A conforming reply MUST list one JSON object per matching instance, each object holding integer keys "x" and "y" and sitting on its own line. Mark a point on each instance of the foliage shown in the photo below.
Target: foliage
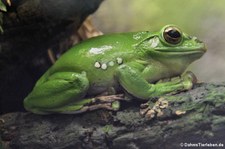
{"x": 2, "y": 8}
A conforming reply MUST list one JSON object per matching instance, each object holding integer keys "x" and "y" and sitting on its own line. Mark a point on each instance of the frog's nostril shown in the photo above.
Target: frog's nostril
{"x": 196, "y": 40}
{"x": 189, "y": 37}
{"x": 199, "y": 41}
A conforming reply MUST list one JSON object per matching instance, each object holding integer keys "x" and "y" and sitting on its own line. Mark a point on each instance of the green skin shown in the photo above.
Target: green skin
{"x": 130, "y": 62}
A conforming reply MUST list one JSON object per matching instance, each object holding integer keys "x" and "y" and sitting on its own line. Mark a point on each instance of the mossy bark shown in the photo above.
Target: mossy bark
{"x": 195, "y": 116}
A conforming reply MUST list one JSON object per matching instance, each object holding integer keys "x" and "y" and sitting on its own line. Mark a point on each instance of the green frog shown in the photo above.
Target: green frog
{"x": 131, "y": 63}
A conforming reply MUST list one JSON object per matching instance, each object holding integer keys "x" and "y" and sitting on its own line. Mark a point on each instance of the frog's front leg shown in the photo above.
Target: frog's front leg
{"x": 133, "y": 82}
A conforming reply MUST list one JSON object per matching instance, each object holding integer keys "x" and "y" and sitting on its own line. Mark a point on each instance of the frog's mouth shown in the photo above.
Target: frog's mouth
{"x": 183, "y": 50}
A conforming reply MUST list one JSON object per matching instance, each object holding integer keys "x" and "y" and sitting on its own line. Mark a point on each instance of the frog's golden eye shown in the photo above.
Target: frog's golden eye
{"x": 172, "y": 35}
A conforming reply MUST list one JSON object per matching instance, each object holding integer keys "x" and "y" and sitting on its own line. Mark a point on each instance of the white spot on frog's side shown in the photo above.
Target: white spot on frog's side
{"x": 97, "y": 65}
{"x": 119, "y": 60}
{"x": 100, "y": 50}
{"x": 154, "y": 42}
{"x": 104, "y": 66}
{"x": 111, "y": 63}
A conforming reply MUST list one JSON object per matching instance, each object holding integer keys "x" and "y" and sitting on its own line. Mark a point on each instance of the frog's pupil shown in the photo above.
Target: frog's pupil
{"x": 174, "y": 33}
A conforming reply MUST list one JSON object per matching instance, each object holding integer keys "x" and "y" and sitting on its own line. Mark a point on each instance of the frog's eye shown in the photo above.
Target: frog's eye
{"x": 172, "y": 35}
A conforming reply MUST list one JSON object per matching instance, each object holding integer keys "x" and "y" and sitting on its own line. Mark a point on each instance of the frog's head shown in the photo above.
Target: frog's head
{"x": 173, "y": 47}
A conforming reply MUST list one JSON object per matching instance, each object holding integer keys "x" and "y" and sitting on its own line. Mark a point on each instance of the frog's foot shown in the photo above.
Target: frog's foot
{"x": 188, "y": 76}
{"x": 108, "y": 98}
{"x": 111, "y": 102}
{"x": 189, "y": 79}
{"x": 113, "y": 106}
{"x": 151, "y": 110}
{"x": 177, "y": 84}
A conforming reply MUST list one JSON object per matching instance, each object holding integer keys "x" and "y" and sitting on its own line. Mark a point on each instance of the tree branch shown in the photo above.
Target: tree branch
{"x": 196, "y": 116}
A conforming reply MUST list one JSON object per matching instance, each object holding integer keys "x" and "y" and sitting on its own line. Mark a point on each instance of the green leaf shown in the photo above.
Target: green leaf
{"x": 1, "y": 29}
{"x": 2, "y": 6}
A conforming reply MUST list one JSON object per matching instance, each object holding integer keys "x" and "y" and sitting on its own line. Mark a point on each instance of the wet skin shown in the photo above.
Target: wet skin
{"x": 124, "y": 62}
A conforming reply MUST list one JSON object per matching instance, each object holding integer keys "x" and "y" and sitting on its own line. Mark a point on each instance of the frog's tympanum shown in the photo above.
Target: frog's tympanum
{"x": 131, "y": 63}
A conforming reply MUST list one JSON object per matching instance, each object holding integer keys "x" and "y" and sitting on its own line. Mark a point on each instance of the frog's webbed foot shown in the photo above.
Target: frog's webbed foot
{"x": 110, "y": 102}
{"x": 108, "y": 98}
{"x": 177, "y": 84}
{"x": 114, "y": 106}
{"x": 189, "y": 79}
{"x": 151, "y": 110}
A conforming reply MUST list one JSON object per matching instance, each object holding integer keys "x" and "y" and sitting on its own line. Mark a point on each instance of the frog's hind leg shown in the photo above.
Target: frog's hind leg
{"x": 64, "y": 92}
{"x": 57, "y": 92}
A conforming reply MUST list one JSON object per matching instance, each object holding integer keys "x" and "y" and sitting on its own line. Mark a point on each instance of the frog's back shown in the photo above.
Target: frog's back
{"x": 102, "y": 49}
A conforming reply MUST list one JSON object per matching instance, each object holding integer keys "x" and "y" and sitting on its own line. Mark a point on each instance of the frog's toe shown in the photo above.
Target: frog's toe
{"x": 187, "y": 85}
{"x": 114, "y": 106}
{"x": 191, "y": 76}
{"x": 108, "y": 98}
{"x": 189, "y": 79}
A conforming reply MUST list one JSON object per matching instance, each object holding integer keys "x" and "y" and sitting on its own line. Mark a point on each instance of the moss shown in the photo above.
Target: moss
{"x": 107, "y": 128}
